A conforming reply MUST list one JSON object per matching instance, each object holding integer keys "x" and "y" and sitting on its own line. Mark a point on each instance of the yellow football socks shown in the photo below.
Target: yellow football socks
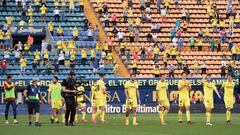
{"x": 63, "y": 117}
{"x": 83, "y": 115}
{"x": 188, "y": 116}
{"x": 180, "y": 115}
{"x": 134, "y": 119}
{"x": 228, "y": 115}
{"x": 208, "y": 116}
{"x": 161, "y": 115}
{"x": 126, "y": 120}
{"x": 103, "y": 116}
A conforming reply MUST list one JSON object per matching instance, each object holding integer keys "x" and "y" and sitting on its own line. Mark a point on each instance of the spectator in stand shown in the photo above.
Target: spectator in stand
{"x": 61, "y": 58}
{"x": 176, "y": 3}
{"x": 161, "y": 47}
{"x": 142, "y": 5}
{"x": 57, "y": 14}
{"x": 206, "y": 34}
{"x": 81, "y": 6}
{"x": 237, "y": 20}
{"x": 115, "y": 31}
{"x": 43, "y": 13}
{"x": 234, "y": 52}
{"x": 172, "y": 32}
{"x": 200, "y": 44}
{"x": 156, "y": 53}
{"x": 75, "y": 33}
{"x": 84, "y": 56}
{"x": 90, "y": 33}
{"x": 71, "y": 6}
{"x": 212, "y": 44}
{"x": 230, "y": 70}
{"x": 128, "y": 55}
{"x": 135, "y": 57}
{"x": 44, "y": 46}
{"x": 192, "y": 43}
{"x": 125, "y": 17}
{"x": 171, "y": 68}
{"x": 134, "y": 67}
{"x": 149, "y": 37}
{"x": 120, "y": 35}
{"x": 180, "y": 44}
{"x": 223, "y": 71}
{"x": 105, "y": 7}
{"x": 179, "y": 33}
{"x": 6, "y": 55}
{"x": 214, "y": 22}
{"x": 178, "y": 23}
{"x": 149, "y": 52}
{"x": 60, "y": 31}
{"x": 174, "y": 41}
{"x": 23, "y": 64}
{"x": 204, "y": 67}
{"x": 17, "y": 55}
{"x": 34, "y": 66}
{"x": 195, "y": 66}
{"x": 106, "y": 20}
{"x": 179, "y": 61}
{"x": 157, "y": 71}
{"x": 184, "y": 14}
{"x": 164, "y": 15}
{"x": 4, "y": 5}
{"x": 223, "y": 36}
{"x": 48, "y": 68}
{"x": 4, "y": 65}
{"x": 143, "y": 53}
{"x": 174, "y": 52}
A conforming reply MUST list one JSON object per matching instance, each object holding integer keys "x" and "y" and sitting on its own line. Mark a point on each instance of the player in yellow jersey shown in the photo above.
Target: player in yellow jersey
{"x": 132, "y": 99}
{"x": 55, "y": 98}
{"x": 93, "y": 99}
{"x": 100, "y": 100}
{"x": 162, "y": 98}
{"x": 228, "y": 88}
{"x": 208, "y": 88}
{"x": 184, "y": 87}
{"x": 43, "y": 13}
{"x": 81, "y": 102}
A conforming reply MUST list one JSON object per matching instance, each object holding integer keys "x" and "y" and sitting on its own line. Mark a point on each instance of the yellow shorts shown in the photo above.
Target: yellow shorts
{"x": 101, "y": 102}
{"x": 208, "y": 103}
{"x": 81, "y": 104}
{"x": 93, "y": 103}
{"x": 132, "y": 103}
{"x": 56, "y": 104}
{"x": 229, "y": 102}
{"x": 183, "y": 102}
{"x": 163, "y": 102}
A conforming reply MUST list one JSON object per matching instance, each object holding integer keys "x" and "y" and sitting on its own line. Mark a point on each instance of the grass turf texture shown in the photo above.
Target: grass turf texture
{"x": 148, "y": 124}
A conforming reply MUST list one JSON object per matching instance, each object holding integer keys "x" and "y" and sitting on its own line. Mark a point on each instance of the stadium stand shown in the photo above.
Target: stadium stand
{"x": 121, "y": 18}
{"x": 74, "y": 47}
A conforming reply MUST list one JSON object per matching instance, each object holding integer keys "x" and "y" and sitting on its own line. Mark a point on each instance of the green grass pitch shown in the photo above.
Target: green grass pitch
{"x": 148, "y": 124}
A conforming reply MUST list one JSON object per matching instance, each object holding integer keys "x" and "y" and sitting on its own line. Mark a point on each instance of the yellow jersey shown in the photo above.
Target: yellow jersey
{"x": 162, "y": 88}
{"x": 156, "y": 50}
{"x": 81, "y": 91}
{"x": 228, "y": 89}
{"x": 100, "y": 88}
{"x": 184, "y": 92}
{"x": 208, "y": 88}
{"x": 23, "y": 62}
{"x": 1, "y": 35}
{"x": 43, "y": 10}
{"x": 8, "y": 35}
{"x": 51, "y": 26}
{"x": 131, "y": 87}
{"x": 93, "y": 92}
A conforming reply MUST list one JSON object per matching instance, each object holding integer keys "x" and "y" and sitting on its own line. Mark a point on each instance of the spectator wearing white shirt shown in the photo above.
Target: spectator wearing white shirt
{"x": 44, "y": 46}
{"x": 6, "y": 55}
{"x": 120, "y": 35}
{"x": 17, "y": 55}
{"x": 164, "y": 15}
{"x": 57, "y": 14}
{"x": 204, "y": 67}
{"x": 61, "y": 58}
